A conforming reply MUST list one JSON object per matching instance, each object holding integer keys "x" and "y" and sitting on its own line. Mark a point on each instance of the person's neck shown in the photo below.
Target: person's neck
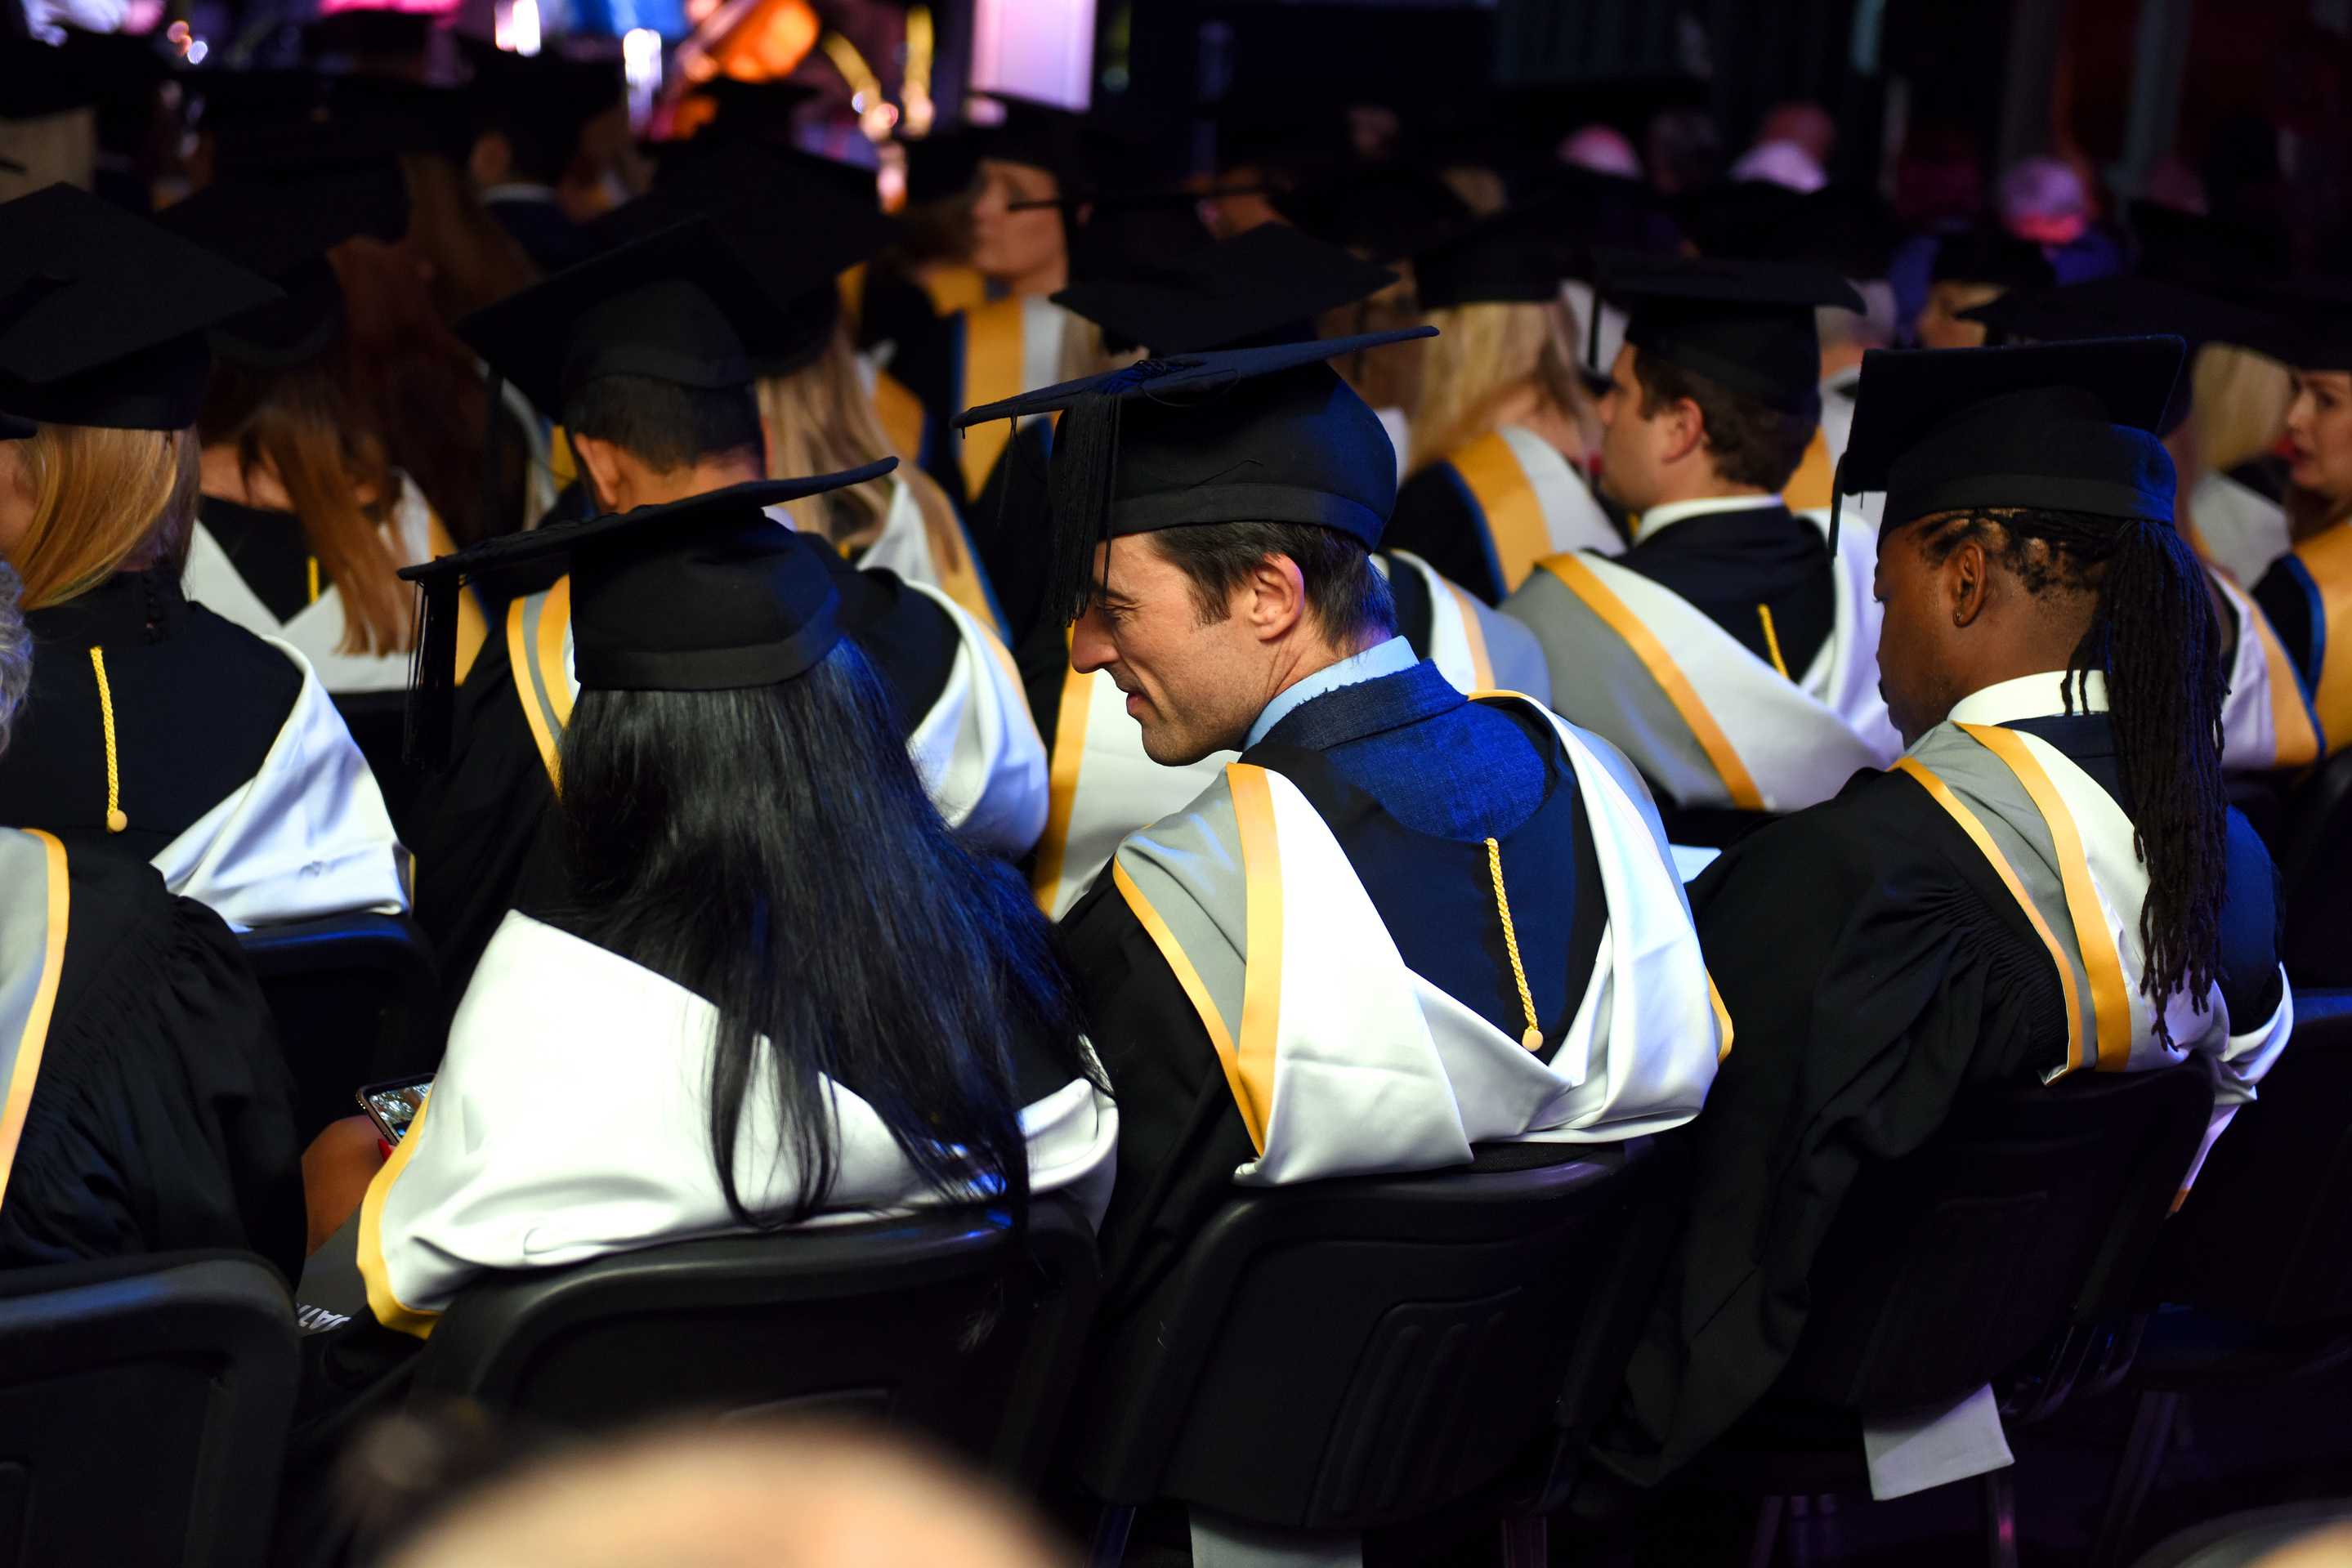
{"x": 1526, "y": 406}
{"x": 1837, "y": 361}
{"x": 1311, "y": 655}
{"x": 1050, "y": 279}
{"x": 644, "y": 487}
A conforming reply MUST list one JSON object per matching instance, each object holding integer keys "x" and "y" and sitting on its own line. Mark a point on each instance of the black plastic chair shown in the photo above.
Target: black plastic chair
{"x": 2024, "y": 1223}
{"x": 943, "y": 1321}
{"x": 2315, "y": 863}
{"x": 1347, "y": 1355}
{"x": 143, "y": 1410}
{"x": 2258, "y": 1263}
{"x": 356, "y": 1001}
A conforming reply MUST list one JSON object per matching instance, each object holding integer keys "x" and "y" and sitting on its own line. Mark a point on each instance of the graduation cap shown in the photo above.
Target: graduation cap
{"x": 1748, "y": 326}
{"x": 1128, "y": 232}
{"x": 2122, "y": 307}
{"x": 2201, "y": 252}
{"x": 1990, "y": 254}
{"x": 360, "y": 31}
{"x": 762, "y": 110}
{"x": 1385, "y": 212}
{"x": 1265, "y": 283}
{"x": 542, "y": 102}
{"x": 1270, "y": 434}
{"x": 283, "y": 229}
{"x": 940, "y": 167}
{"x": 39, "y": 80}
{"x": 791, "y": 231}
{"x": 2068, "y": 426}
{"x": 103, "y": 315}
{"x": 707, "y": 594}
{"x": 2307, "y": 324}
{"x": 1518, "y": 255}
{"x": 1042, "y": 136}
{"x": 665, "y": 306}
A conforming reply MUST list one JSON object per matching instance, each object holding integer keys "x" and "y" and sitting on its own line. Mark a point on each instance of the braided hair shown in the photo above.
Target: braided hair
{"x": 2152, "y": 636}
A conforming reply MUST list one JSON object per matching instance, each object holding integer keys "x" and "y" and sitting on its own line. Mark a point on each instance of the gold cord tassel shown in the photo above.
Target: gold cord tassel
{"x": 115, "y": 821}
{"x": 1533, "y": 1037}
{"x": 1772, "y": 641}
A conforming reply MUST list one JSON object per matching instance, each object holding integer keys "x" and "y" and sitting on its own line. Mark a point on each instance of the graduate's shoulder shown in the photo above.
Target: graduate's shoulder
{"x": 259, "y": 674}
{"x": 1878, "y": 821}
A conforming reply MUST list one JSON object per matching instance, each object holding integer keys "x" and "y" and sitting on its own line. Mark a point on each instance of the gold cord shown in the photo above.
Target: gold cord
{"x": 1533, "y": 1037}
{"x": 312, "y": 563}
{"x": 1772, "y": 641}
{"x": 115, "y": 821}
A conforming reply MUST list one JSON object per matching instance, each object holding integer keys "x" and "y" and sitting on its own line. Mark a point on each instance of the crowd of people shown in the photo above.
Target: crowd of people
{"x": 1117, "y": 680}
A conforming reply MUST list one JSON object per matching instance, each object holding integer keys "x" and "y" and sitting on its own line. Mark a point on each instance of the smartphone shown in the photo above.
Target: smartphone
{"x": 391, "y": 1106}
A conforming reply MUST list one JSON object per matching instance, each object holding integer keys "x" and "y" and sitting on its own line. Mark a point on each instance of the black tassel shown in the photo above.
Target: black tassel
{"x": 1085, "y": 459}
{"x": 1837, "y": 503}
{"x": 433, "y": 675}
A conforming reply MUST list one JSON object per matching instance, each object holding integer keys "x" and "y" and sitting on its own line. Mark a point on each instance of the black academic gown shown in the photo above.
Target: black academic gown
{"x": 547, "y": 235}
{"x": 485, "y": 814}
{"x": 198, "y": 702}
{"x": 1727, "y": 564}
{"x": 162, "y": 1118}
{"x": 1875, "y": 967}
{"x": 1412, "y": 778}
{"x": 1008, "y": 525}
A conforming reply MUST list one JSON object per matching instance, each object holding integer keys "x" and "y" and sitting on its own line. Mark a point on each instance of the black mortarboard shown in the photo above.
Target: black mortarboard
{"x": 942, "y": 166}
{"x": 1747, "y": 325}
{"x": 707, "y": 594}
{"x": 2309, "y": 324}
{"x": 1986, "y": 254}
{"x": 1130, "y": 232}
{"x": 1266, "y": 282}
{"x": 762, "y": 110}
{"x": 283, "y": 229}
{"x": 2119, "y": 308}
{"x": 1518, "y": 255}
{"x": 665, "y": 305}
{"x": 2066, "y": 426}
{"x": 359, "y": 32}
{"x": 2199, "y": 251}
{"x": 87, "y": 69}
{"x": 542, "y": 102}
{"x": 103, "y": 315}
{"x": 1265, "y": 434}
{"x": 1845, "y": 228}
{"x": 711, "y": 166}
{"x": 791, "y": 231}
{"x": 1042, "y": 137}
{"x": 1386, "y": 213}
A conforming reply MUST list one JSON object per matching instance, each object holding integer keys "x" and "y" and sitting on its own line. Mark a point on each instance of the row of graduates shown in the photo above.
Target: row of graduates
{"x": 1547, "y": 981}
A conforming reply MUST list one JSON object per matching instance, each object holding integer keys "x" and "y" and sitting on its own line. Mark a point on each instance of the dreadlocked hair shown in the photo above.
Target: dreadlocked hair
{"x": 2152, "y": 636}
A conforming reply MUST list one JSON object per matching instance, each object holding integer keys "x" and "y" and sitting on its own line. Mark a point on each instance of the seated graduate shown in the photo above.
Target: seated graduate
{"x": 2308, "y": 593}
{"x": 1480, "y": 938}
{"x": 304, "y": 523}
{"x": 638, "y": 351}
{"x": 721, "y": 1018}
{"x": 2049, "y": 881}
{"x": 146, "y": 1104}
{"x": 1730, "y": 650}
{"x": 1503, "y": 428}
{"x": 1265, "y": 284}
{"x": 530, "y": 162}
{"x": 1973, "y": 268}
{"x": 155, "y": 727}
{"x": 2267, "y": 722}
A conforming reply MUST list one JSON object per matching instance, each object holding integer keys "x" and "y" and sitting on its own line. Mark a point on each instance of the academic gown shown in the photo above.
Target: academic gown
{"x": 1876, "y": 966}
{"x": 487, "y": 812}
{"x": 1485, "y": 515}
{"x": 237, "y": 779}
{"x": 161, "y": 1114}
{"x": 540, "y": 224}
{"x": 1409, "y": 777}
{"x": 2308, "y": 596}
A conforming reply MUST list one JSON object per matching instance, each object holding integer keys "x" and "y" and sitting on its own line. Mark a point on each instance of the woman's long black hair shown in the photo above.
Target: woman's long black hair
{"x": 772, "y": 851}
{"x": 2152, "y": 635}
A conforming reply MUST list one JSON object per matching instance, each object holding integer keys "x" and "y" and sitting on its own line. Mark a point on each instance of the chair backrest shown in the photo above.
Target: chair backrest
{"x": 1345, "y": 1354}
{"x": 2031, "y": 1208}
{"x": 944, "y": 1321}
{"x": 143, "y": 1408}
{"x": 2316, "y": 866}
{"x": 2266, "y": 1234}
{"x": 356, "y": 1001}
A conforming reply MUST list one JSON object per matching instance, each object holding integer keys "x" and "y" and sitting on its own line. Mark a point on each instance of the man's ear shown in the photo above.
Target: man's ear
{"x": 1274, "y": 598}
{"x": 601, "y": 467}
{"x": 1685, "y": 429}
{"x": 1968, "y": 580}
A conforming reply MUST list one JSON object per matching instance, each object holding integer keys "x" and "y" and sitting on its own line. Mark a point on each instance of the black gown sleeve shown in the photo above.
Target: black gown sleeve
{"x": 1873, "y": 967}
{"x": 1436, "y": 520}
{"x": 1180, "y": 1135}
{"x": 162, "y": 1118}
{"x": 479, "y": 819}
{"x": 2285, "y": 597}
{"x": 1009, "y": 526}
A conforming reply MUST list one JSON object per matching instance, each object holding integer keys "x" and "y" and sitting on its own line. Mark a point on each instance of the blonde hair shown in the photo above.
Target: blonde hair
{"x": 2238, "y": 403}
{"x": 818, "y": 420}
{"x": 1482, "y": 354}
{"x": 104, "y": 501}
{"x": 50, "y": 148}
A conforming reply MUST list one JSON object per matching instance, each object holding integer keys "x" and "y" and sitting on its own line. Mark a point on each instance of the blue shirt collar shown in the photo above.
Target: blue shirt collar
{"x": 1382, "y": 659}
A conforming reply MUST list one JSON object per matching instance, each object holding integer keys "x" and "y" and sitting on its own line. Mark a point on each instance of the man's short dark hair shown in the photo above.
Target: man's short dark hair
{"x": 664, "y": 424}
{"x": 1346, "y": 594}
{"x": 1753, "y": 442}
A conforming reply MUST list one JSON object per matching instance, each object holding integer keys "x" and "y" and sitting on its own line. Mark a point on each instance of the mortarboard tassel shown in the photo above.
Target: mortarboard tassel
{"x": 1837, "y": 502}
{"x": 1085, "y": 460}
{"x": 433, "y": 675}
